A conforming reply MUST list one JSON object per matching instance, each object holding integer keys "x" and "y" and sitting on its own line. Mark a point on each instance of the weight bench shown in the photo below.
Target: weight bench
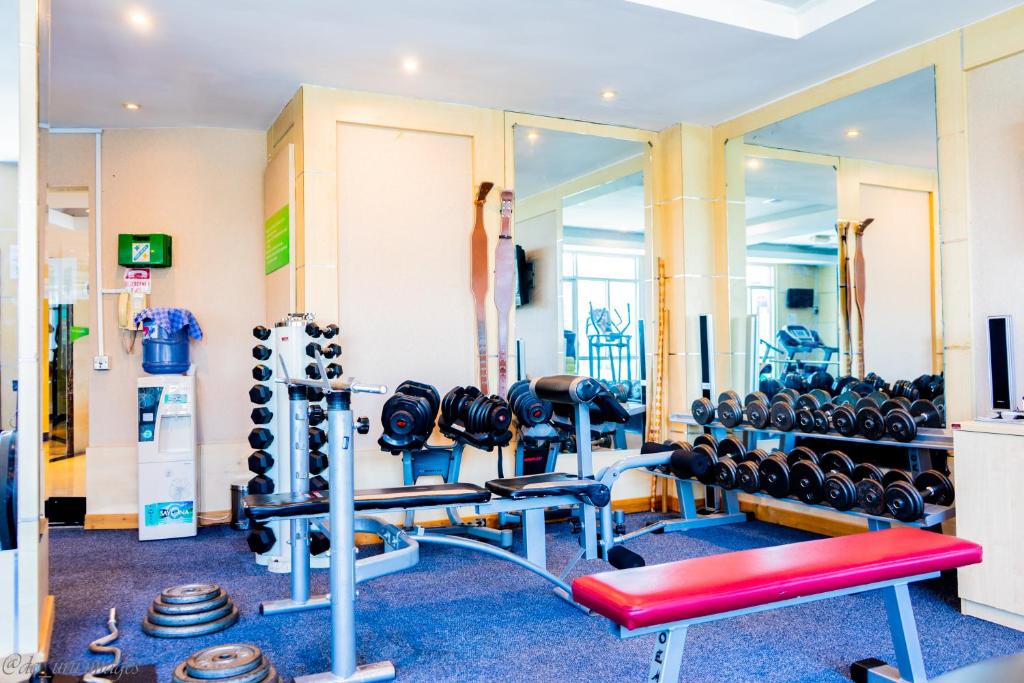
{"x": 667, "y": 599}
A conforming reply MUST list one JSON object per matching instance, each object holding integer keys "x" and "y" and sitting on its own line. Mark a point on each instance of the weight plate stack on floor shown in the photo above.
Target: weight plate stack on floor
{"x": 232, "y": 663}
{"x": 194, "y": 609}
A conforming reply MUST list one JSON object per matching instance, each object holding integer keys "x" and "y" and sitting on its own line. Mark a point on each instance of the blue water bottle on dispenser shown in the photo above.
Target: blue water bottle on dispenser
{"x": 166, "y": 333}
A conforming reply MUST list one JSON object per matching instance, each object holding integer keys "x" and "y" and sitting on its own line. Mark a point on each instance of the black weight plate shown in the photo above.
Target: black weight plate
{"x": 190, "y": 592}
{"x": 725, "y": 474}
{"x": 926, "y": 409}
{"x": 159, "y": 619}
{"x": 903, "y": 501}
{"x": 844, "y": 419}
{"x": 870, "y": 423}
{"x": 843, "y": 382}
{"x": 756, "y": 396}
{"x": 757, "y": 414}
{"x": 900, "y": 425}
{"x": 805, "y": 420}
{"x": 808, "y": 401}
{"x": 942, "y": 487}
{"x": 784, "y": 396}
{"x": 158, "y": 631}
{"x": 703, "y": 411}
{"x": 190, "y": 607}
{"x": 264, "y": 673}
{"x": 728, "y": 395}
{"x": 756, "y": 455}
{"x": 731, "y": 447}
{"x": 821, "y": 421}
{"x": 808, "y": 482}
{"x": 896, "y": 475}
{"x": 748, "y": 477}
{"x": 840, "y": 491}
{"x": 867, "y": 470}
{"x": 730, "y": 413}
{"x": 224, "y": 661}
{"x": 846, "y": 398}
{"x": 801, "y": 453}
{"x": 836, "y": 461}
{"x": 775, "y": 477}
{"x": 871, "y": 497}
{"x": 893, "y": 404}
{"x": 707, "y": 440}
{"x": 783, "y": 416}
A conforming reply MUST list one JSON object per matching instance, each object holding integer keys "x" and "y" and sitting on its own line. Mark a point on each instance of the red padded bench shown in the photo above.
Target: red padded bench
{"x": 667, "y": 598}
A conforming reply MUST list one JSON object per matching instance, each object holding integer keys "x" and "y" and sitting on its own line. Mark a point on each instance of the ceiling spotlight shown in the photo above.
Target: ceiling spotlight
{"x": 132, "y": 106}
{"x": 139, "y": 19}
{"x": 533, "y": 136}
{"x": 608, "y": 95}
{"x": 754, "y": 163}
{"x": 410, "y": 65}
{"x": 853, "y": 133}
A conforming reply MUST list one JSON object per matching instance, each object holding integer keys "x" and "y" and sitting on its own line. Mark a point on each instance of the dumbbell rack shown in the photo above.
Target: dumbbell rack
{"x": 920, "y": 449}
{"x": 287, "y": 344}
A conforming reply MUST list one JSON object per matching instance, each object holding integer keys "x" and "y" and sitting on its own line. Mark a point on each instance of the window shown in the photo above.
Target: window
{"x": 761, "y": 300}
{"x": 609, "y": 279}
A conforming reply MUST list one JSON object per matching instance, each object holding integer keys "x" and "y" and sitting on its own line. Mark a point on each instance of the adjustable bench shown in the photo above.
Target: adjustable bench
{"x": 666, "y": 599}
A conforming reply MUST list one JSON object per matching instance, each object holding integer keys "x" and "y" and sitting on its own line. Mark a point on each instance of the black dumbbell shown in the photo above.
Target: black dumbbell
{"x": 870, "y": 481}
{"x": 906, "y": 501}
{"x": 261, "y": 539}
{"x": 806, "y": 406}
{"x": 316, "y": 415}
{"x": 260, "y": 484}
{"x": 731, "y": 454}
{"x": 692, "y": 461}
{"x": 261, "y": 333}
{"x": 317, "y": 438}
{"x": 331, "y": 351}
{"x": 318, "y": 543}
{"x": 313, "y": 330}
{"x": 318, "y": 484}
{"x": 334, "y": 370}
{"x": 260, "y": 393}
{"x": 331, "y": 331}
{"x": 871, "y": 415}
{"x": 313, "y": 371}
{"x": 807, "y": 477}
{"x": 261, "y": 415}
{"x": 754, "y": 411}
{"x": 775, "y": 470}
{"x": 261, "y": 373}
{"x": 841, "y": 407}
{"x": 260, "y": 438}
{"x": 901, "y": 424}
{"x": 748, "y": 472}
{"x": 260, "y": 462}
{"x": 317, "y": 462}
{"x": 704, "y": 410}
{"x": 261, "y": 352}
{"x": 313, "y": 350}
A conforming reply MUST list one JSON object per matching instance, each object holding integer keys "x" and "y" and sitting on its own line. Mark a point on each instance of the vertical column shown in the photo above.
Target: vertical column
{"x": 298, "y": 407}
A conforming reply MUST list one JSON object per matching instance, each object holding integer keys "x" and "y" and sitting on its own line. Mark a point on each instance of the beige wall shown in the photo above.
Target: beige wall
{"x": 204, "y": 188}
{"x": 8, "y": 289}
{"x": 538, "y": 323}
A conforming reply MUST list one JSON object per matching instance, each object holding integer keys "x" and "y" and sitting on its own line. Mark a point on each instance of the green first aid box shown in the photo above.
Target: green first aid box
{"x": 146, "y": 251}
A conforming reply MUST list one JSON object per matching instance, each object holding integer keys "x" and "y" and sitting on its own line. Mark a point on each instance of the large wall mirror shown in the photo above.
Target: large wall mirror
{"x": 836, "y": 209}
{"x": 581, "y": 223}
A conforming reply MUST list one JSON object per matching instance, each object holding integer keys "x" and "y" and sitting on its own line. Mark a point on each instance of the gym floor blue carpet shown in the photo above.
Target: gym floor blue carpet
{"x": 461, "y": 616}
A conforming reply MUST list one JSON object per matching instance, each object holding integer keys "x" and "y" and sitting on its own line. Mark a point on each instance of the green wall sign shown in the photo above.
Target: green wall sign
{"x": 275, "y": 240}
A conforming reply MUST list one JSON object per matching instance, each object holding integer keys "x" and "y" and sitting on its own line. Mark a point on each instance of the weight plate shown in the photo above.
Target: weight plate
{"x": 224, "y": 661}
{"x": 896, "y": 475}
{"x": 900, "y": 425}
{"x": 784, "y": 396}
{"x": 264, "y": 673}
{"x": 703, "y": 411}
{"x": 808, "y": 482}
{"x": 190, "y": 607}
{"x": 730, "y": 414}
{"x": 845, "y": 398}
{"x": 845, "y": 420}
{"x": 159, "y": 619}
{"x": 748, "y": 476}
{"x": 728, "y": 395}
{"x": 941, "y": 486}
{"x": 707, "y": 440}
{"x": 157, "y": 631}
{"x": 190, "y": 592}
{"x": 836, "y": 461}
{"x": 775, "y": 477}
{"x": 809, "y": 401}
{"x": 801, "y": 453}
{"x": 871, "y": 497}
{"x": 821, "y": 423}
{"x": 903, "y": 501}
{"x": 731, "y": 447}
{"x": 805, "y": 420}
{"x": 870, "y": 423}
{"x": 725, "y": 474}
{"x": 840, "y": 492}
{"x": 783, "y": 417}
{"x": 757, "y": 414}
{"x": 926, "y": 409}
{"x": 755, "y": 396}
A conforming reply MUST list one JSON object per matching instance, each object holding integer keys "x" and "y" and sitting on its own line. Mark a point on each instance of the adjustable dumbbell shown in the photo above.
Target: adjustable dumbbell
{"x": 906, "y": 501}
{"x": 902, "y": 423}
{"x": 704, "y": 410}
{"x": 871, "y": 414}
{"x": 806, "y": 406}
{"x": 754, "y": 411}
{"x": 529, "y": 409}
{"x": 748, "y": 472}
{"x": 775, "y": 470}
{"x": 807, "y": 477}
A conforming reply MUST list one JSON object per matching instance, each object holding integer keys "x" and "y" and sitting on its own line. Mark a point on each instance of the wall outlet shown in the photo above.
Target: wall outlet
{"x": 101, "y": 363}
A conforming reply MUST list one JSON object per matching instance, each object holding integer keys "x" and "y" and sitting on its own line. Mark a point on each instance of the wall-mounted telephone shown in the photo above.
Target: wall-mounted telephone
{"x": 128, "y": 305}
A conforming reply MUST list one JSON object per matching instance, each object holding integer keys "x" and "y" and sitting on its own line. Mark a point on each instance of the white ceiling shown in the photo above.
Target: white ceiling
{"x": 234, "y": 63}
{"x": 790, "y": 203}
{"x": 8, "y": 81}
{"x": 555, "y": 157}
{"x": 896, "y": 121}
{"x": 621, "y": 210}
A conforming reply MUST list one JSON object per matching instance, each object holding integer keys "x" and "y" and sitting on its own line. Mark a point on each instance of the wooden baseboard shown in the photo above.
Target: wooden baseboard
{"x": 130, "y": 520}
{"x": 46, "y": 619}
{"x": 784, "y": 516}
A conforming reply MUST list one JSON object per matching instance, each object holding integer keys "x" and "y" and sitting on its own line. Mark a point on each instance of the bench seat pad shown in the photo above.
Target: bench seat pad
{"x": 661, "y": 594}
{"x": 279, "y": 505}
{"x": 551, "y": 484}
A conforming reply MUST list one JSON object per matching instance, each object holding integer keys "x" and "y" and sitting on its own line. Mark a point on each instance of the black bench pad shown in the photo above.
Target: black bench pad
{"x": 551, "y": 484}
{"x": 277, "y": 505}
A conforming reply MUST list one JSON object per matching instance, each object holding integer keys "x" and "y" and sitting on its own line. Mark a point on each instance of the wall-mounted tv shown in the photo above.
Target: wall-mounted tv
{"x": 799, "y": 298}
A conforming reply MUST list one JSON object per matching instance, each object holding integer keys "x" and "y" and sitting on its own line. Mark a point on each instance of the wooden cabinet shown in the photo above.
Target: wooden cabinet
{"x": 989, "y": 475}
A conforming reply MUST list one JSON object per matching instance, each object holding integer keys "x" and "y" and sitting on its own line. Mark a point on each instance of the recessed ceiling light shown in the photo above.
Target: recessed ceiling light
{"x": 410, "y": 65}
{"x": 139, "y": 19}
{"x": 132, "y": 106}
{"x": 608, "y": 95}
{"x": 533, "y": 136}
{"x": 754, "y": 163}
{"x": 853, "y": 133}
{"x": 772, "y": 200}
